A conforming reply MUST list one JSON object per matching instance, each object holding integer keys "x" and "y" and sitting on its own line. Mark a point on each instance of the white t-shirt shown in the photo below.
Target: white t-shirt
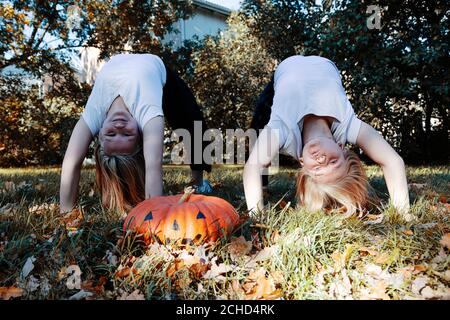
{"x": 310, "y": 85}
{"x": 138, "y": 78}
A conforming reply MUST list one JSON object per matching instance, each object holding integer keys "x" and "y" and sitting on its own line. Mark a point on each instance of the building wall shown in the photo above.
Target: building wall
{"x": 204, "y": 21}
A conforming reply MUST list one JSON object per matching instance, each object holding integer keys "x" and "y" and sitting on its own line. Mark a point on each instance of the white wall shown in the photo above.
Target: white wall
{"x": 203, "y": 23}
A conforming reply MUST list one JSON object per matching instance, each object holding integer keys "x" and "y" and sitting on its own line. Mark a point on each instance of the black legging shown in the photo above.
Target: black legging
{"x": 181, "y": 110}
{"x": 261, "y": 115}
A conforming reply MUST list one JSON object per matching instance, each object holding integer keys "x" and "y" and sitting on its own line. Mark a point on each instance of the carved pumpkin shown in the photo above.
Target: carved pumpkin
{"x": 182, "y": 219}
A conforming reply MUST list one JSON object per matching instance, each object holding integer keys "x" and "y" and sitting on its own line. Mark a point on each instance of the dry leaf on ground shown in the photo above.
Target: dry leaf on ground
{"x": 341, "y": 259}
{"x": 28, "y": 267}
{"x": 7, "y": 293}
{"x": 81, "y": 295}
{"x": 217, "y": 270}
{"x": 418, "y": 284}
{"x": 239, "y": 247}
{"x": 377, "y": 292}
{"x": 364, "y": 251}
{"x": 73, "y": 219}
{"x": 445, "y": 241}
{"x": 258, "y": 286}
{"x": 135, "y": 295}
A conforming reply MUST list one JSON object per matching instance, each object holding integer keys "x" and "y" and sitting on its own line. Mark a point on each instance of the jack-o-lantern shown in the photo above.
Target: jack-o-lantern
{"x": 182, "y": 219}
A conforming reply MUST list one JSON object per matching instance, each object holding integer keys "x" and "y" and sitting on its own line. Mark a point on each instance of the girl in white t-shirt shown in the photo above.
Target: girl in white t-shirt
{"x": 304, "y": 113}
{"x": 132, "y": 95}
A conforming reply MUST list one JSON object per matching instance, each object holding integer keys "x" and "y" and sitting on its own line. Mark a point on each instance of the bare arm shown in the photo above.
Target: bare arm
{"x": 264, "y": 150}
{"x": 71, "y": 167}
{"x": 380, "y": 151}
{"x": 153, "y": 154}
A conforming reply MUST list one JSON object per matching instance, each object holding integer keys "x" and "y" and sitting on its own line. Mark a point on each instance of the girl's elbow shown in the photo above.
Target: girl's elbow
{"x": 399, "y": 162}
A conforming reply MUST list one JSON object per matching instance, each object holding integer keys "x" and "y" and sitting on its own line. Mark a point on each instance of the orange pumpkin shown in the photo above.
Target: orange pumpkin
{"x": 182, "y": 219}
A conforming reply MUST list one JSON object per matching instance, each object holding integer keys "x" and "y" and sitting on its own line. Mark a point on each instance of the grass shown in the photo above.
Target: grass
{"x": 286, "y": 253}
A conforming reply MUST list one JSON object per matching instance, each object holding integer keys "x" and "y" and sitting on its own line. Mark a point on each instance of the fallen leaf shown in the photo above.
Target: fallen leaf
{"x": 10, "y": 186}
{"x": 72, "y": 220}
{"x": 188, "y": 259}
{"x": 81, "y": 295}
{"x": 382, "y": 258}
{"x": 418, "y": 284}
{"x": 199, "y": 269}
{"x": 174, "y": 267}
{"x": 374, "y": 219}
{"x": 122, "y": 272}
{"x": 341, "y": 259}
{"x": 239, "y": 247}
{"x": 427, "y": 293}
{"x": 378, "y": 291}
{"x": 275, "y": 236}
{"x": 258, "y": 286}
{"x": 441, "y": 257}
{"x": 396, "y": 280}
{"x": 419, "y": 268}
{"x": 417, "y": 186}
{"x": 217, "y": 270}
{"x": 266, "y": 253}
{"x": 387, "y": 258}
{"x": 445, "y": 241}
{"x": 135, "y": 295}
{"x": 28, "y": 267}
{"x": 7, "y": 209}
{"x": 373, "y": 270}
{"x": 42, "y": 208}
{"x": 278, "y": 276}
{"x": 364, "y": 251}
{"x": 7, "y": 293}
{"x": 32, "y": 284}
{"x": 408, "y": 232}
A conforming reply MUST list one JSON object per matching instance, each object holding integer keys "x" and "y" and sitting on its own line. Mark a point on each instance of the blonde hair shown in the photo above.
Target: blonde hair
{"x": 351, "y": 192}
{"x": 120, "y": 179}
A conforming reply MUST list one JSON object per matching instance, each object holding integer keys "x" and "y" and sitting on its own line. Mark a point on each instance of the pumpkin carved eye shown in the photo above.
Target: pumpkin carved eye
{"x": 200, "y": 215}
{"x": 149, "y": 216}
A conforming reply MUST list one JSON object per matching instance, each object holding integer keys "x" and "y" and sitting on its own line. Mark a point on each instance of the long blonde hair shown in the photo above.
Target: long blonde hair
{"x": 351, "y": 192}
{"x": 120, "y": 179}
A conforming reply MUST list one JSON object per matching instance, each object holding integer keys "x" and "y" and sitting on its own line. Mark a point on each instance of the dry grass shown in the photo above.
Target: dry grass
{"x": 287, "y": 253}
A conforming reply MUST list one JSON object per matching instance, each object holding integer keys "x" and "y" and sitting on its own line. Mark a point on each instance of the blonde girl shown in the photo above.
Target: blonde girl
{"x": 304, "y": 113}
{"x": 131, "y": 97}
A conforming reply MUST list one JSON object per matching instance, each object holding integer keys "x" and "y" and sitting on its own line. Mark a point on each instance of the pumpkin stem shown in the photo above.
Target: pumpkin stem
{"x": 187, "y": 193}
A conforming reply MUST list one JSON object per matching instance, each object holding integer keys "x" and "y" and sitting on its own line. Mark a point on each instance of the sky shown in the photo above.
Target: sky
{"x": 232, "y": 4}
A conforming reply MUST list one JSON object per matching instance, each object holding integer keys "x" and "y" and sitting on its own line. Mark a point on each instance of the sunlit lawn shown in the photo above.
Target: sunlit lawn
{"x": 286, "y": 254}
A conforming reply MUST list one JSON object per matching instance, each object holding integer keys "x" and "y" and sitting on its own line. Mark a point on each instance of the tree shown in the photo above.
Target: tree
{"x": 230, "y": 71}
{"x": 39, "y": 39}
{"x": 396, "y": 77}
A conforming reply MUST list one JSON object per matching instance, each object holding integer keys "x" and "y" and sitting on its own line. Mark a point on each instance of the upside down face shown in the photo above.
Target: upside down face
{"x": 120, "y": 132}
{"x": 324, "y": 160}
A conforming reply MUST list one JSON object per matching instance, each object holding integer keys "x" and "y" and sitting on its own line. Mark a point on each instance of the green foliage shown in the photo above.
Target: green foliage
{"x": 33, "y": 126}
{"x": 397, "y": 77}
{"x": 229, "y": 72}
{"x": 38, "y": 40}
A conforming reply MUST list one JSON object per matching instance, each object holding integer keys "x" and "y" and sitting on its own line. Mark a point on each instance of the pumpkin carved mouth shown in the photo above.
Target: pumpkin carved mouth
{"x": 183, "y": 219}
